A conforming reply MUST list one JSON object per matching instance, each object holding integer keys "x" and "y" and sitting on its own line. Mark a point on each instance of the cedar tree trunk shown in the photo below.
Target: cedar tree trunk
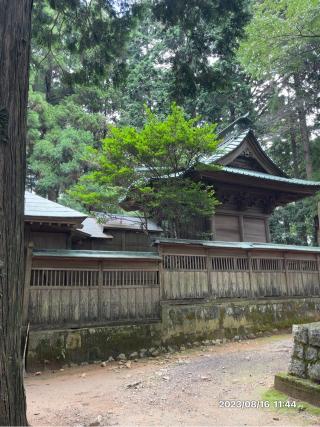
{"x": 15, "y": 31}
{"x": 304, "y": 131}
{"x": 293, "y": 145}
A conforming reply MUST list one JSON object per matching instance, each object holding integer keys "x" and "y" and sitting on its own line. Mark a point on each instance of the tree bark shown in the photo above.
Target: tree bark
{"x": 304, "y": 132}
{"x": 15, "y": 30}
{"x": 294, "y": 149}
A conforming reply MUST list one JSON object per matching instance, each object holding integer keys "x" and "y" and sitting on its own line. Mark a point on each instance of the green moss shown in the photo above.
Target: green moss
{"x": 267, "y": 318}
{"x": 222, "y": 313}
{"x": 191, "y": 315}
{"x": 274, "y": 397}
{"x": 306, "y": 383}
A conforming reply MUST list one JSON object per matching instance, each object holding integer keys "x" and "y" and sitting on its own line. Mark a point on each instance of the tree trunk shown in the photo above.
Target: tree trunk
{"x": 304, "y": 132}
{"x": 15, "y": 29}
{"x": 53, "y": 195}
{"x": 294, "y": 149}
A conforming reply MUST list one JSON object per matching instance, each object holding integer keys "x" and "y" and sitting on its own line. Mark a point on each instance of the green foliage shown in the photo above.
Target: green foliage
{"x": 57, "y": 136}
{"x": 282, "y": 35}
{"x": 187, "y": 59}
{"x": 294, "y": 223}
{"x": 281, "y": 52}
{"x": 203, "y": 30}
{"x": 150, "y": 164}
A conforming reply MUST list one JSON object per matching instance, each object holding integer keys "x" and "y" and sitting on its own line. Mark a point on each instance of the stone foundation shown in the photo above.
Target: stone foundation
{"x": 305, "y": 360}
{"x": 181, "y": 322}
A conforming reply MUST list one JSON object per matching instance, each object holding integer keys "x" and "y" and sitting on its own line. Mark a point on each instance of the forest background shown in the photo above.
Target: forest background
{"x": 100, "y": 63}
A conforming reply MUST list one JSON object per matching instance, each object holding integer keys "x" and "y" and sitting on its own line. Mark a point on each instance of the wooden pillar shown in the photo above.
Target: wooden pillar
{"x": 286, "y": 272}
{"x": 123, "y": 240}
{"x": 161, "y": 275}
{"x": 241, "y": 228}
{"x": 26, "y": 293}
{"x": 266, "y": 224}
{"x": 318, "y": 223}
{"x": 210, "y": 287}
{"x": 318, "y": 264}
{"x": 100, "y": 288}
{"x": 213, "y": 227}
{"x": 250, "y": 275}
{"x": 69, "y": 240}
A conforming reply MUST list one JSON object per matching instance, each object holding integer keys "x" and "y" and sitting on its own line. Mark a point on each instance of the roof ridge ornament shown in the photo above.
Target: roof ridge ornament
{"x": 241, "y": 123}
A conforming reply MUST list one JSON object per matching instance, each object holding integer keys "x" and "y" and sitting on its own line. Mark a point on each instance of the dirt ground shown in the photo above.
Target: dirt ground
{"x": 183, "y": 389}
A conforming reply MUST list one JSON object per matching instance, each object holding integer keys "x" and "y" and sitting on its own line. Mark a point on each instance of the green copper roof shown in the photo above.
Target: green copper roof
{"x": 233, "y": 137}
{"x": 237, "y": 245}
{"x": 65, "y": 253}
{"x": 268, "y": 177}
{"x": 230, "y": 143}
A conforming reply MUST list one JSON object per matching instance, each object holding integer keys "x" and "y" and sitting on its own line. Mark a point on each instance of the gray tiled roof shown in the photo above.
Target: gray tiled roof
{"x": 119, "y": 221}
{"x": 94, "y": 229}
{"x": 39, "y": 207}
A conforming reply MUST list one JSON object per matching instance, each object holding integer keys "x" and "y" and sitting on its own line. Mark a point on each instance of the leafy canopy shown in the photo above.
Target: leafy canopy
{"x": 282, "y": 35}
{"x": 148, "y": 167}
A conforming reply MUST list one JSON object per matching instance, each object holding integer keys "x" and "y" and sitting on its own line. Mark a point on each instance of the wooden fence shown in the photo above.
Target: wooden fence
{"x": 224, "y": 273}
{"x": 96, "y": 293}
{"x": 75, "y": 289}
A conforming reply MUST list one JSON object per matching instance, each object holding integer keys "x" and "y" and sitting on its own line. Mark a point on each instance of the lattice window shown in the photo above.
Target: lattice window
{"x": 242, "y": 264}
{"x": 229, "y": 264}
{"x": 267, "y": 264}
{"x": 113, "y": 278}
{"x": 309, "y": 265}
{"x": 302, "y": 265}
{"x": 184, "y": 262}
{"x": 56, "y": 277}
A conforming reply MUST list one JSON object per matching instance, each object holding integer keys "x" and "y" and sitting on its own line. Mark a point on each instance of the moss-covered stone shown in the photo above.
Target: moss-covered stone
{"x": 298, "y": 388}
{"x": 180, "y": 323}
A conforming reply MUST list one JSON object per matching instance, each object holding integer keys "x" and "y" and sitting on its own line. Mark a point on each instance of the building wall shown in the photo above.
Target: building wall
{"x": 123, "y": 240}
{"x": 238, "y": 226}
{"x": 47, "y": 240}
{"x": 47, "y": 237}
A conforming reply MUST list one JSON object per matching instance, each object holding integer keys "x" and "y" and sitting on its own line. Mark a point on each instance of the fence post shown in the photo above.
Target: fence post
{"x": 286, "y": 272}
{"x": 250, "y": 275}
{"x": 100, "y": 286}
{"x": 210, "y": 287}
{"x": 318, "y": 265}
{"x": 161, "y": 275}
{"x": 27, "y": 279}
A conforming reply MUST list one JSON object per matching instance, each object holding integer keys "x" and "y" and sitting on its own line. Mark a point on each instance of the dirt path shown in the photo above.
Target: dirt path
{"x": 183, "y": 389}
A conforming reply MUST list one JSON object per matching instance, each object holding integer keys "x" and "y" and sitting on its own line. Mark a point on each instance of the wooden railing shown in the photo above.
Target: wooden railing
{"x": 78, "y": 296}
{"x": 247, "y": 275}
{"x": 73, "y": 292}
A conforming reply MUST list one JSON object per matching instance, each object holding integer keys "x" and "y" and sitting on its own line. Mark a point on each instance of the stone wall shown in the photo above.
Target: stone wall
{"x": 233, "y": 317}
{"x": 305, "y": 359}
{"x": 184, "y": 322}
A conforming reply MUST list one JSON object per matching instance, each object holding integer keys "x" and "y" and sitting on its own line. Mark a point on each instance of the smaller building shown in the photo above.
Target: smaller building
{"x": 116, "y": 232}
{"x": 49, "y": 225}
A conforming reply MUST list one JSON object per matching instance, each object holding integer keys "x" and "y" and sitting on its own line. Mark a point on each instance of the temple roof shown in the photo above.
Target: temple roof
{"x": 126, "y": 222}
{"x": 268, "y": 177}
{"x": 92, "y": 228}
{"x": 240, "y": 153}
{"x": 39, "y": 208}
{"x": 101, "y": 226}
{"x": 235, "y": 245}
